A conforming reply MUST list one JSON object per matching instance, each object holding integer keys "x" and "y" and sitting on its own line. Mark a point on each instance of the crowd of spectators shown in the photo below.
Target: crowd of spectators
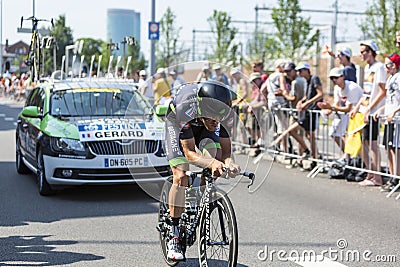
{"x": 15, "y": 86}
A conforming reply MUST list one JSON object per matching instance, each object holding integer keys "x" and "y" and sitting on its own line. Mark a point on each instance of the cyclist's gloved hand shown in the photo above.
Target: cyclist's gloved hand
{"x": 233, "y": 169}
{"x": 217, "y": 168}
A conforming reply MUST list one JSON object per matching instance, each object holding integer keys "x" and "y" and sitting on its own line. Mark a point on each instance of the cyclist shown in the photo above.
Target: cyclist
{"x": 199, "y": 116}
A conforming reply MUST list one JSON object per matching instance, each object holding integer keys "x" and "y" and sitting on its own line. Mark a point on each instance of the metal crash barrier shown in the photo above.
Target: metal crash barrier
{"x": 330, "y": 139}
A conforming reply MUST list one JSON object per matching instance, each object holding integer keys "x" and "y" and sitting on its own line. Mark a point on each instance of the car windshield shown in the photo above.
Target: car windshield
{"x": 98, "y": 102}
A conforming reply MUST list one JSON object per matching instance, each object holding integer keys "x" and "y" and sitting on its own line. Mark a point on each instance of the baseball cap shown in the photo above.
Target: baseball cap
{"x": 234, "y": 71}
{"x": 289, "y": 66}
{"x": 279, "y": 63}
{"x": 255, "y": 75}
{"x": 160, "y": 70}
{"x": 336, "y": 72}
{"x": 142, "y": 73}
{"x": 346, "y": 51}
{"x": 216, "y": 66}
{"x": 395, "y": 58}
{"x": 303, "y": 65}
{"x": 370, "y": 44}
{"x": 172, "y": 72}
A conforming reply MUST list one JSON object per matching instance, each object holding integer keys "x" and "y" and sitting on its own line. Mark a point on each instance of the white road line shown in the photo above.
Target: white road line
{"x": 9, "y": 119}
{"x": 319, "y": 261}
{"x": 15, "y": 123}
{"x": 2, "y": 115}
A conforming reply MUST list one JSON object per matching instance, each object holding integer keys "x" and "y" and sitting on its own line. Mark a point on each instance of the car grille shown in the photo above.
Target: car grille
{"x": 118, "y": 147}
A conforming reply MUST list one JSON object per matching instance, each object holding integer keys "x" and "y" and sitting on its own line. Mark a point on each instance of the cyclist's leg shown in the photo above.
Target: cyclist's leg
{"x": 177, "y": 191}
{"x": 176, "y": 197}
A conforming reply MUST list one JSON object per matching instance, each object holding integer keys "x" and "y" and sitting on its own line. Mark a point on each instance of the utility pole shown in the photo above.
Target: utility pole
{"x": 153, "y": 44}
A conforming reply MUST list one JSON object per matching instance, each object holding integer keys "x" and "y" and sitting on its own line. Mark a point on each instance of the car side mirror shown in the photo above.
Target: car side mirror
{"x": 32, "y": 112}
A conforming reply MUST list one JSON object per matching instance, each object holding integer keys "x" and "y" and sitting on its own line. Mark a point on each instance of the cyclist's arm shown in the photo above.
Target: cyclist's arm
{"x": 189, "y": 149}
{"x": 226, "y": 148}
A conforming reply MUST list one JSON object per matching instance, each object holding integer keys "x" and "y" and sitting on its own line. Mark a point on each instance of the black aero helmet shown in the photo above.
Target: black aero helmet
{"x": 214, "y": 100}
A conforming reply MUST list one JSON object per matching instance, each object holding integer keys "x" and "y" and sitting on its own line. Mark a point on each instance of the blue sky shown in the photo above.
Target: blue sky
{"x": 88, "y": 18}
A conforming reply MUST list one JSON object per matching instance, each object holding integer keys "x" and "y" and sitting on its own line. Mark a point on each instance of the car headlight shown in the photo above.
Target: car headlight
{"x": 68, "y": 145}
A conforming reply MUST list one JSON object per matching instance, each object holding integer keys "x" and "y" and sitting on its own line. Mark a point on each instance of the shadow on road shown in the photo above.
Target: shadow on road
{"x": 23, "y": 204}
{"x": 36, "y": 251}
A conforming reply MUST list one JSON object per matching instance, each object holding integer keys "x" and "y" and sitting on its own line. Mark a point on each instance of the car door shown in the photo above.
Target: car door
{"x": 34, "y": 126}
{"x": 23, "y": 124}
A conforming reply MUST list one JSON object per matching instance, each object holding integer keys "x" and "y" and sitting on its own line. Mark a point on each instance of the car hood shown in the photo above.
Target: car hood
{"x": 94, "y": 129}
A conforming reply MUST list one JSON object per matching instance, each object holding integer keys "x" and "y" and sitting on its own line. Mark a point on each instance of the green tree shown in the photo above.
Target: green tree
{"x": 293, "y": 32}
{"x": 138, "y": 62}
{"x": 381, "y": 23}
{"x": 168, "y": 47}
{"x": 225, "y": 50}
{"x": 91, "y": 47}
{"x": 263, "y": 46}
{"x": 63, "y": 36}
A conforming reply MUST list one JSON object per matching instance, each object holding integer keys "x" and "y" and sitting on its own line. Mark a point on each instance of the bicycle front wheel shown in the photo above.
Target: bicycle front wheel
{"x": 221, "y": 248}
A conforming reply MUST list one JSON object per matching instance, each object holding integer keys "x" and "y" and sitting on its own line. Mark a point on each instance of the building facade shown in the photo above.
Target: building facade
{"x": 122, "y": 23}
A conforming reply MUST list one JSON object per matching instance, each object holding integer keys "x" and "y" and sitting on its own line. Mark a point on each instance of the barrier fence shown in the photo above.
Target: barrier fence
{"x": 337, "y": 141}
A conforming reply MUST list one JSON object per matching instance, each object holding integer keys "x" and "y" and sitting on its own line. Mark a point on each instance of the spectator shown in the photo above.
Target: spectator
{"x": 313, "y": 95}
{"x": 146, "y": 85}
{"x": 346, "y": 96}
{"x": 297, "y": 92}
{"x": 258, "y": 66}
{"x": 219, "y": 75}
{"x": 272, "y": 91}
{"x": 374, "y": 89}
{"x": 177, "y": 81}
{"x": 349, "y": 69}
{"x": 392, "y": 107}
{"x": 161, "y": 88}
{"x": 243, "y": 98}
{"x": 255, "y": 110}
{"x": 205, "y": 74}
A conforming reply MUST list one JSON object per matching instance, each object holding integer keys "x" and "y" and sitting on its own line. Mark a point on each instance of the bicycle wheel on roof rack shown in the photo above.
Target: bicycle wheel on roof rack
{"x": 35, "y": 58}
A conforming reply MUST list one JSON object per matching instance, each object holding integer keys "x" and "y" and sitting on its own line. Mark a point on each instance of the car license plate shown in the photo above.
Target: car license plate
{"x": 126, "y": 162}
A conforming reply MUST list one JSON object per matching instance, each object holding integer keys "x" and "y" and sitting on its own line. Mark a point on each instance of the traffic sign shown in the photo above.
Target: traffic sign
{"x": 154, "y": 30}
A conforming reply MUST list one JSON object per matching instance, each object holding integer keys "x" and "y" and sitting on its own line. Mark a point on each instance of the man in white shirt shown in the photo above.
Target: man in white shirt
{"x": 146, "y": 86}
{"x": 374, "y": 91}
{"x": 347, "y": 94}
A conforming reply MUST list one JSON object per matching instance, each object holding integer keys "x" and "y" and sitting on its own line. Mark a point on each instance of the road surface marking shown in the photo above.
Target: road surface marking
{"x": 9, "y": 119}
{"x": 319, "y": 261}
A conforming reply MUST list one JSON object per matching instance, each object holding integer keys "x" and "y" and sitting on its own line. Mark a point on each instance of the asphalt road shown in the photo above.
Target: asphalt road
{"x": 115, "y": 225}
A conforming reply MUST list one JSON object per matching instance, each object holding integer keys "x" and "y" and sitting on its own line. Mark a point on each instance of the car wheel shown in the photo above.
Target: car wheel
{"x": 21, "y": 167}
{"x": 44, "y": 187}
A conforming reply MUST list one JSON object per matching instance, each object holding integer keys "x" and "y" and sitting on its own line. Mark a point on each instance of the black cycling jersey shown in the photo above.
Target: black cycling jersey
{"x": 183, "y": 122}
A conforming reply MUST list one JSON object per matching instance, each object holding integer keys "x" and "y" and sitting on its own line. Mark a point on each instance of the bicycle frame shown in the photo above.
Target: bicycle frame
{"x": 35, "y": 49}
{"x": 204, "y": 204}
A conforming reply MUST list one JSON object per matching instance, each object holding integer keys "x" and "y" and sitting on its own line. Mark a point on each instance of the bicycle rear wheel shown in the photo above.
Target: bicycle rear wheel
{"x": 162, "y": 226}
{"x": 222, "y": 247}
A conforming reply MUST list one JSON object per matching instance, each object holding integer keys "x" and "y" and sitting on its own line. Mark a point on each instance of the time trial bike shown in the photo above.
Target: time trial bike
{"x": 209, "y": 214}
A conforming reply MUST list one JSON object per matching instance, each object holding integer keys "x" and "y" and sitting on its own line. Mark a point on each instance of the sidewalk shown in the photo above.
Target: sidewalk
{"x": 9, "y": 101}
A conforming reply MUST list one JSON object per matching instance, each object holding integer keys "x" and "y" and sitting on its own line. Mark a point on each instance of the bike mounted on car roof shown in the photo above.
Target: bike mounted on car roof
{"x": 35, "y": 58}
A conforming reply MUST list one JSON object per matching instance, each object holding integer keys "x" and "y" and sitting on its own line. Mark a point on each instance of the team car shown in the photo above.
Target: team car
{"x": 89, "y": 132}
